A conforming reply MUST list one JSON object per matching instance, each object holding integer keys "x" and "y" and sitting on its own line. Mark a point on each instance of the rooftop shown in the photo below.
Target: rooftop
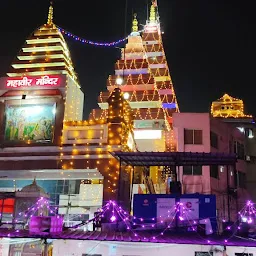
{"x": 174, "y": 158}
{"x": 130, "y": 237}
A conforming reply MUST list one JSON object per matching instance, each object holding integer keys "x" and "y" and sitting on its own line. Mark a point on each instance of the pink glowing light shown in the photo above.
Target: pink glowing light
{"x": 113, "y": 218}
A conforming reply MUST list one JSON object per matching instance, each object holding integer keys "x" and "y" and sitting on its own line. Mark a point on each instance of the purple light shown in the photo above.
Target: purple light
{"x": 113, "y": 218}
{"x": 89, "y": 41}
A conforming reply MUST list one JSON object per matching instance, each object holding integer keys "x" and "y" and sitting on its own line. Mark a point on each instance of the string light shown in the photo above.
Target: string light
{"x": 228, "y": 107}
{"x": 136, "y": 224}
{"x": 90, "y": 42}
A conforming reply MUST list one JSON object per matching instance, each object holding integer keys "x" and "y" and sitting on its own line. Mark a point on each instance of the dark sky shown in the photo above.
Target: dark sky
{"x": 209, "y": 44}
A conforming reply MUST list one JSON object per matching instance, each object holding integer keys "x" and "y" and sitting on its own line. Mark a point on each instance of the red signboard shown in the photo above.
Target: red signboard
{"x": 33, "y": 82}
{"x": 7, "y": 205}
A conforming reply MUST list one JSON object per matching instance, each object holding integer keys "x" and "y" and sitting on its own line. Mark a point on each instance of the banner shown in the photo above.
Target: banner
{"x": 33, "y": 82}
{"x": 189, "y": 208}
{"x": 29, "y": 122}
{"x": 165, "y": 209}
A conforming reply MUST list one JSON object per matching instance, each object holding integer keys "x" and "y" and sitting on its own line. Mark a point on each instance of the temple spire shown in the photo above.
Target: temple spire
{"x": 135, "y": 27}
{"x": 50, "y": 15}
{"x": 152, "y": 16}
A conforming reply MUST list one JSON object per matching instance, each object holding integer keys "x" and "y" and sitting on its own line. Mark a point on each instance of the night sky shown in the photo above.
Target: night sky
{"x": 210, "y": 44}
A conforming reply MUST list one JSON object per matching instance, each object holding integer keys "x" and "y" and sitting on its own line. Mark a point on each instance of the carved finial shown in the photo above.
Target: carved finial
{"x": 50, "y": 14}
{"x": 152, "y": 16}
{"x": 135, "y": 23}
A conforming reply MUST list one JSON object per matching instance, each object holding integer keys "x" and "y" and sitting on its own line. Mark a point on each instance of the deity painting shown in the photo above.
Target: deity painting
{"x": 30, "y": 122}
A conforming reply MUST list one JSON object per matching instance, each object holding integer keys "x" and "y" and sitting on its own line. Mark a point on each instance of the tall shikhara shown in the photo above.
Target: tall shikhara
{"x": 45, "y": 52}
{"x": 143, "y": 75}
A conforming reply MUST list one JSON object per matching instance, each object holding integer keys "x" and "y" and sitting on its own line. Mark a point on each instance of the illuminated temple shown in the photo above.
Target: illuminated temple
{"x": 228, "y": 107}
{"x": 44, "y": 137}
{"x": 49, "y": 151}
{"x": 143, "y": 76}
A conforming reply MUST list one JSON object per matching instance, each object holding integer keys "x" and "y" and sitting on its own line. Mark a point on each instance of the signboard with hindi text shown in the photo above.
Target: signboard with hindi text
{"x": 33, "y": 82}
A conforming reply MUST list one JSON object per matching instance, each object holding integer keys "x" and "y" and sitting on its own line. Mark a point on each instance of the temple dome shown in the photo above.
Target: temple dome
{"x": 44, "y": 52}
{"x": 32, "y": 188}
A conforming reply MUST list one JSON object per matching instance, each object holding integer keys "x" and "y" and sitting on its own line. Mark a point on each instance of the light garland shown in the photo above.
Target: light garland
{"x": 90, "y": 42}
{"x": 136, "y": 224}
{"x": 117, "y": 136}
{"x": 228, "y": 107}
{"x": 159, "y": 77}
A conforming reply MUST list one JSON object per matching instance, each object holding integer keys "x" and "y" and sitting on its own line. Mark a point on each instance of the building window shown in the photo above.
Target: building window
{"x": 239, "y": 150}
{"x": 249, "y": 133}
{"x": 193, "y": 137}
{"x": 241, "y": 180}
{"x": 192, "y": 170}
{"x": 214, "y": 171}
{"x": 214, "y": 140}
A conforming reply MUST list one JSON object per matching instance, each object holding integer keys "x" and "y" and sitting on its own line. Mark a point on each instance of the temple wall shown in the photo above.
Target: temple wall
{"x": 85, "y": 134}
{"x": 74, "y": 103}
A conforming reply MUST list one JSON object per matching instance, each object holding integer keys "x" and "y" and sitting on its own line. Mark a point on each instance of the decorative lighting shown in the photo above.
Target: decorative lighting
{"x": 228, "y": 107}
{"x": 119, "y": 81}
{"x": 86, "y": 41}
{"x": 126, "y": 96}
{"x": 113, "y": 218}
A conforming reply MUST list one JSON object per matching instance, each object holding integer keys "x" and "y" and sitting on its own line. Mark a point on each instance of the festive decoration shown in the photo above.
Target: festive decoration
{"x": 143, "y": 72}
{"x": 158, "y": 227}
{"x": 228, "y": 107}
{"x": 135, "y": 23}
{"x": 90, "y": 42}
{"x": 46, "y": 54}
{"x": 152, "y": 17}
{"x": 178, "y": 211}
